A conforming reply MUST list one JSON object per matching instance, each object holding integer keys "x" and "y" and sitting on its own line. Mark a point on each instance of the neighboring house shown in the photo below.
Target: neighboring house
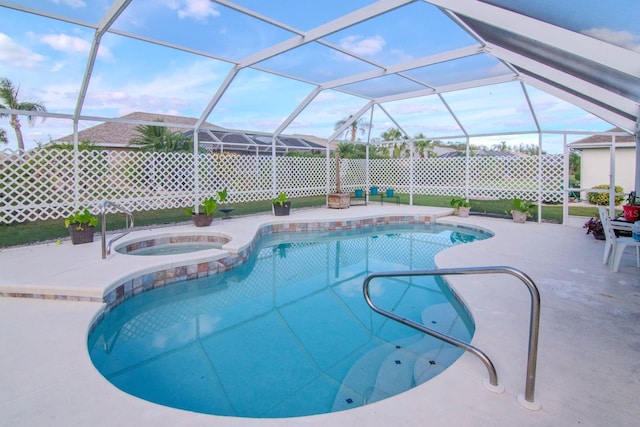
{"x": 116, "y": 136}
{"x": 596, "y": 160}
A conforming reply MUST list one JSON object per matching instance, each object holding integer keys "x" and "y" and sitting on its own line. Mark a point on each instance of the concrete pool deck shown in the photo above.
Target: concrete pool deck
{"x": 588, "y": 370}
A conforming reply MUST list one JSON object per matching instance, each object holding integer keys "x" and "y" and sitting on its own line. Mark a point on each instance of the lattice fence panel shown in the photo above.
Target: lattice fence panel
{"x": 139, "y": 180}
{"x": 36, "y": 185}
{"x": 246, "y": 178}
{"x": 301, "y": 176}
{"x": 552, "y": 179}
{"x": 352, "y": 174}
{"x": 390, "y": 173}
{"x": 509, "y": 177}
{"x": 439, "y": 176}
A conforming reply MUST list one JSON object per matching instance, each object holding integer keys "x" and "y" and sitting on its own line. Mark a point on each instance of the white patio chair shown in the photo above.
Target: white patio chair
{"x": 615, "y": 246}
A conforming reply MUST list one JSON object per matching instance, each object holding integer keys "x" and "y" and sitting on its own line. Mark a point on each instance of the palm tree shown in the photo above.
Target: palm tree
{"x": 160, "y": 138}
{"x": 357, "y": 125}
{"x": 9, "y": 95}
{"x": 422, "y": 144}
{"x": 3, "y": 136}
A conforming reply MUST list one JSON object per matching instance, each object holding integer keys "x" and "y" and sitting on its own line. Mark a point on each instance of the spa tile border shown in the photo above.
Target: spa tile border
{"x": 165, "y": 240}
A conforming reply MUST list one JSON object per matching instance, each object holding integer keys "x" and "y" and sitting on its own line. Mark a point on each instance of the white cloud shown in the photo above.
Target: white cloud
{"x": 72, "y": 44}
{"x": 366, "y": 46}
{"x": 72, "y": 3}
{"x": 16, "y": 55}
{"x": 623, "y": 39}
{"x": 199, "y": 10}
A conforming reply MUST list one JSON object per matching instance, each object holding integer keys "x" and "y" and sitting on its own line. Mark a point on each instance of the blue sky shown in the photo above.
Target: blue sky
{"x": 47, "y": 58}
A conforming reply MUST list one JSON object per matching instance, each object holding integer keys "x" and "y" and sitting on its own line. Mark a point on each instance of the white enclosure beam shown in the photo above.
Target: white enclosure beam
{"x": 567, "y": 80}
{"x": 578, "y": 44}
{"x": 348, "y": 123}
{"x": 360, "y": 15}
{"x": 405, "y": 66}
{"x": 595, "y": 109}
{"x": 449, "y": 88}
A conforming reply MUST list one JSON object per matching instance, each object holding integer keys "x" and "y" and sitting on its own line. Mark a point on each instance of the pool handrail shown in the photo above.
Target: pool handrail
{"x": 534, "y": 321}
{"x": 106, "y": 248}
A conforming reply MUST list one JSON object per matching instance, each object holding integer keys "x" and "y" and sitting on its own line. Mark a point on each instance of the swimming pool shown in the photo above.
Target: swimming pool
{"x": 288, "y": 333}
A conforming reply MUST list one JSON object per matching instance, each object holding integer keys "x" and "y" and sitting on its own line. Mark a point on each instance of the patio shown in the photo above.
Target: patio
{"x": 587, "y": 360}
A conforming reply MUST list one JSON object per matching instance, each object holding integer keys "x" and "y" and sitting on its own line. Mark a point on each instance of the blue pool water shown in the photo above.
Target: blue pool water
{"x": 174, "y": 248}
{"x": 288, "y": 333}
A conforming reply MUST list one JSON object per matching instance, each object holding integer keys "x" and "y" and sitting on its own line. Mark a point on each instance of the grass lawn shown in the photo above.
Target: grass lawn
{"x": 40, "y": 231}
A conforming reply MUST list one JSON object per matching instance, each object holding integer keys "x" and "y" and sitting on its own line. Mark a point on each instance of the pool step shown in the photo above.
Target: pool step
{"x": 391, "y": 369}
{"x": 359, "y": 382}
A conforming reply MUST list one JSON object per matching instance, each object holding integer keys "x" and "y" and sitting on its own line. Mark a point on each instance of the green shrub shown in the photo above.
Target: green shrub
{"x": 603, "y": 198}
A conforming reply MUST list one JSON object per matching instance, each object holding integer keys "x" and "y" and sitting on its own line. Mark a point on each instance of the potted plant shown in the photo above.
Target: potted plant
{"x": 632, "y": 208}
{"x": 594, "y": 226}
{"x": 373, "y": 191}
{"x": 281, "y": 206}
{"x": 462, "y": 206}
{"x": 204, "y": 216}
{"x": 82, "y": 226}
{"x": 359, "y": 192}
{"x": 389, "y": 192}
{"x": 521, "y": 210}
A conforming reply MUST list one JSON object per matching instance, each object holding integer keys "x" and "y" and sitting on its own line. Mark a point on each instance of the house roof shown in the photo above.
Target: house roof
{"x": 603, "y": 140}
{"x": 119, "y": 132}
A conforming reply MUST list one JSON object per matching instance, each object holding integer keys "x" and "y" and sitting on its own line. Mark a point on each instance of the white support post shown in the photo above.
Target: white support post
{"x": 467, "y": 171}
{"x": 565, "y": 181}
{"x": 76, "y": 166}
{"x": 612, "y": 177}
{"x": 273, "y": 167}
{"x": 637, "y": 140}
{"x": 539, "y": 177}
{"x": 411, "y": 169}
{"x": 196, "y": 183}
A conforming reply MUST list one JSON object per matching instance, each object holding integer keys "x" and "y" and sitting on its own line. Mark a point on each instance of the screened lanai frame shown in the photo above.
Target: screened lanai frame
{"x": 529, "y": 52}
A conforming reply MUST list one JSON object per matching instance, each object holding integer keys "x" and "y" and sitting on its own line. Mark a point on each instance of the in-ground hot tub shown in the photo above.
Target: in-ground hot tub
{"x": 173, "y": 244}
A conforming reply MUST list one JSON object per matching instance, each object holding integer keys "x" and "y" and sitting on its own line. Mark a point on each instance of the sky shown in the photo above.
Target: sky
{"x": 47, "y": 59}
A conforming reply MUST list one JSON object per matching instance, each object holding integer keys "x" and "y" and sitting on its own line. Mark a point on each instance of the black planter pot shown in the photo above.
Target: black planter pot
{"x": 281, "y": 210}
{"x": 79, "y": 237}
{"x": 202, "y": 220}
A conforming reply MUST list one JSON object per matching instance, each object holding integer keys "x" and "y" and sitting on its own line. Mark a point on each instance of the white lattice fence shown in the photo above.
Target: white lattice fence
{"x": 439, "y": 176}
{"x": 509, "y": 177}
{"x": 352, "y": 174}
{"x": 301, "y": 176}
{"x": 390, "y": 173}
{"x": 41, "y": 184}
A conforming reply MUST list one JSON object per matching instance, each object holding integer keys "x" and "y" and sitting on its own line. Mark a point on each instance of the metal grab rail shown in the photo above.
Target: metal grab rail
{"x": 534, "y": 320}
{"x": 106, "y": 249}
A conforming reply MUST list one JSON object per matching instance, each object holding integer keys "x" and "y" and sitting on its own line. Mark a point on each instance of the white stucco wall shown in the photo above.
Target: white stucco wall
{"x": 596, "y": 167}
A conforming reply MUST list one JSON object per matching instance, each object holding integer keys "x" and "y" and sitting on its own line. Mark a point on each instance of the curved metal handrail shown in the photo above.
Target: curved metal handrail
{"x": 534, "y": 321}
{"x": 106, "y": 249}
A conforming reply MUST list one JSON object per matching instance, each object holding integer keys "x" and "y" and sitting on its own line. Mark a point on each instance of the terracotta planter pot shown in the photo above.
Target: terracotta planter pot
{"x": 202, "y": 220}
{"x": 519, "y": 217}
{"x": 79, "y": 237}
{"x": 463, "y": 212}
{"x": 631, "y": 213}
